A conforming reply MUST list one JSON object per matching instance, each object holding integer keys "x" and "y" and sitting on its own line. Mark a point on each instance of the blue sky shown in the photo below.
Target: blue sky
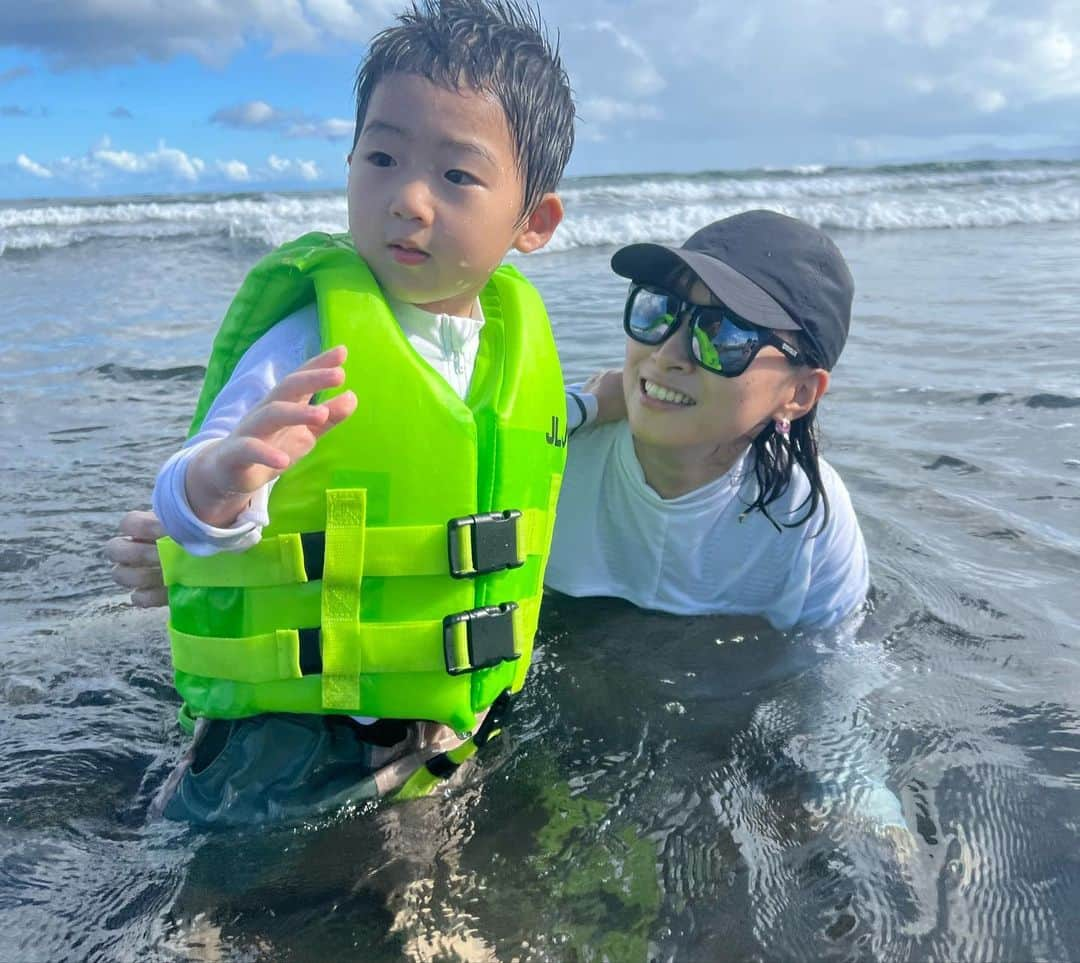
{"x": 146, "y": 96}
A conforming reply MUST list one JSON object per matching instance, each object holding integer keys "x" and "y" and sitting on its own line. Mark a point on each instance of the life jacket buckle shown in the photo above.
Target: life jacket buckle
{"x": 484, "y": 543}
{"x": 480, "y": 638}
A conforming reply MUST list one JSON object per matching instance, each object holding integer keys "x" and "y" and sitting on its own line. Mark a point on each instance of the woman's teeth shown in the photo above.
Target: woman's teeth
{"x": 665, "y": 394}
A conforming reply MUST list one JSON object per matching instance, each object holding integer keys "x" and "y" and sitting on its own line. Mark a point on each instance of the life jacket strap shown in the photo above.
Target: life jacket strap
{"x": 468, "y": 643}
{"x": 481, "y": 544}
{"x": 464, "y": 547}
{"x": 481, "y": 638}
{"x": 445, "y": 764}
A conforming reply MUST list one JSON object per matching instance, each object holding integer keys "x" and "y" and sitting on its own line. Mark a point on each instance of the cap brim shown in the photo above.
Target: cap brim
{"x": 655, "y": 264}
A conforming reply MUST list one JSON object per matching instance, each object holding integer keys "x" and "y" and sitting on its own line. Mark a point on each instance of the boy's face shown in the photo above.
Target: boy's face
{"x": 435, "y": 194}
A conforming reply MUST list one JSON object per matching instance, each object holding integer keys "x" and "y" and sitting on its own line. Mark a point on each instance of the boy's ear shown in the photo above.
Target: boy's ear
{"x": 537, "y": 228}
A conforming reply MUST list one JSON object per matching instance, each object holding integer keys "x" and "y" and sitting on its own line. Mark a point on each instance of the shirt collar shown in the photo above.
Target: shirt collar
{"x": 429, "y": 325}
{"x": 730, "y": 481}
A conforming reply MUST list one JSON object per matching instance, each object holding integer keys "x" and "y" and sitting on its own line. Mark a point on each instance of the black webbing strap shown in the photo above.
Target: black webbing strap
{"x": 310, "y": 651}
{"x": 441, "y": 766}
{"x": 497, "y": 716}
{"x": 382, "y": 732}
{"x": 314, "y": 546}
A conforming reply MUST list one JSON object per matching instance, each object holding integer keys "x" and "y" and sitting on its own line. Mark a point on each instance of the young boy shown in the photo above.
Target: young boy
{"x": 392, "y": 570}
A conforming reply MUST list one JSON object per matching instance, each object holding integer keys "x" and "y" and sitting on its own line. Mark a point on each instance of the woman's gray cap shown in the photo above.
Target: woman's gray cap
{"x": 770, "y": 269}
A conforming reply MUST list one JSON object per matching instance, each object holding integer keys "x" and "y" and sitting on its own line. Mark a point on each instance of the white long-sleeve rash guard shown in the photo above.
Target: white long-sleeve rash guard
{"x": 702, "y": 553}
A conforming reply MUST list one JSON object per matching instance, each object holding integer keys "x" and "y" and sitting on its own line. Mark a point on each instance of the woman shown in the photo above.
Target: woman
{"x": 711, "y": 496}
{"x": 696, "y": 485}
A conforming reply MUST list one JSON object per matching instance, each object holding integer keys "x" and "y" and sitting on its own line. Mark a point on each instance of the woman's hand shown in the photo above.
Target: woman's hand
{"x": 607, "y": 388}
{"x": 135, "y": 559}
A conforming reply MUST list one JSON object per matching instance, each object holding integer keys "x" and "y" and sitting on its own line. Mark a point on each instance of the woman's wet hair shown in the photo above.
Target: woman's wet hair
{"x": 497, "y": 47}
{"x": 776, "y": 455}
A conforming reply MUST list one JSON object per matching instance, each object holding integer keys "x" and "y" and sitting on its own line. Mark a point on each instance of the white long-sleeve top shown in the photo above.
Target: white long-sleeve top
{"x": 701, "y": 553}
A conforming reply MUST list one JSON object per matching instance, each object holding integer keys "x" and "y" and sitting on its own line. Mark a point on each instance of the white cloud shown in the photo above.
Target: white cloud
{"x": 254, "y": 113}
{"x": 333, "y": 128}
{"x": 639, "y": 74}
{"x": 105, "y": 166}
{"x": 259, "y": 115}
{"x": 613, "y": 71}
{"x": 79, "y": 32}
{"x": 176, "y": 162}
{"x": 234, "y": 170}
{"x": 121, "y": 160}
{"x": 306, "y": 170}
{"x": 788, "y": 79}
{"x": 1056, "y": 50}
{"x": 941, "y": 22}
{"x": 989, "y": 101}
{"x": 31, "y": 167}
{"x": 605, "y": 110}
{"x": 805, "y": 79}
{"x": 339, "y": 18}
{"x": 165, "y": 160}
{"x": 896, "y": 20}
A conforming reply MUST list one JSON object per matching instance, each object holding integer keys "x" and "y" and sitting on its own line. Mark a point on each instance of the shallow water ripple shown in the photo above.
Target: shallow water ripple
{"x": 675, "y": 789}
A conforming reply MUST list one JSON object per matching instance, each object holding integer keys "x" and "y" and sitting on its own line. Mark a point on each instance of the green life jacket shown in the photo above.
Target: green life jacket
{"x": 401, "y": 573}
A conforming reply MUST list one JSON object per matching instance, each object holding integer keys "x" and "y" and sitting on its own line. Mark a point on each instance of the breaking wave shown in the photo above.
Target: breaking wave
{"x": 605, "y": 210}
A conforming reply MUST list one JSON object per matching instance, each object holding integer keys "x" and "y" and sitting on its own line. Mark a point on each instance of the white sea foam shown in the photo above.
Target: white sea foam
{"x": 266, "y": 219}
{"x": 607, "y": 210}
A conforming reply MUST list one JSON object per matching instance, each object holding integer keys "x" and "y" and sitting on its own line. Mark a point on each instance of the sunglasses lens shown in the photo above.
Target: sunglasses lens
{"x": 648, "y": 318}
{"x": 721, "y": 345}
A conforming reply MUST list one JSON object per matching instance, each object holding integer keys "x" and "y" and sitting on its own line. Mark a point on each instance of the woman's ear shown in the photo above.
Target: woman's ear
{"x": 537, "y": 228}
{"x": 812, "y": 383}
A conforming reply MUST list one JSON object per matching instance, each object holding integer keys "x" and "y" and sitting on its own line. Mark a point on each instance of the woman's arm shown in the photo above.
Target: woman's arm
{"x": 135, "y": 559}
{"x": 598, "y": 400}
{"x": 839, "y": 572}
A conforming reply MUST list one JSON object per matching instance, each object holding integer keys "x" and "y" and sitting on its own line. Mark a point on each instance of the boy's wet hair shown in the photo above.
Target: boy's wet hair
{"x": 498, "y": 47}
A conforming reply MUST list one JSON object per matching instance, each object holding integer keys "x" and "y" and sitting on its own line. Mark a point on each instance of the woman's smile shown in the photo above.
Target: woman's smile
{"x": 655, "y": 392}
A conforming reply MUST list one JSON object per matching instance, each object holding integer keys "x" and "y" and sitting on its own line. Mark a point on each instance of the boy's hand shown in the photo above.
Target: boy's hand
{"x": 135, "y": 558}
{"x": 277, "y": 432}
{"x": 607, "y": 387}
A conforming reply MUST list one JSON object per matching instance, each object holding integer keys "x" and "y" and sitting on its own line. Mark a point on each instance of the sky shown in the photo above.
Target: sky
{"x": 106, "y": 97}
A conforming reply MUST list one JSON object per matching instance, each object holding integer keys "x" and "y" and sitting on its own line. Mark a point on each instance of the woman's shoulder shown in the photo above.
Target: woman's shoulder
{"x": 592, "y": 440}
{"x": 599, "y": 431}
{"x": 793, "y": 502}
{"x": 835, "y": 489}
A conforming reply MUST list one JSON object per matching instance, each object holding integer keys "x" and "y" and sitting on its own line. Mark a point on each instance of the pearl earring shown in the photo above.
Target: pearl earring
{"x": 782, "y": 426}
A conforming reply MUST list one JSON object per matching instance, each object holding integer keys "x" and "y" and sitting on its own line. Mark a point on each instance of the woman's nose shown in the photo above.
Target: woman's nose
{"x": 674, "y": 351}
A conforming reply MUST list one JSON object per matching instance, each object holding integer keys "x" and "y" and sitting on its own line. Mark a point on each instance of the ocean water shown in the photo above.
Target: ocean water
{"x": 674, "y": 789}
